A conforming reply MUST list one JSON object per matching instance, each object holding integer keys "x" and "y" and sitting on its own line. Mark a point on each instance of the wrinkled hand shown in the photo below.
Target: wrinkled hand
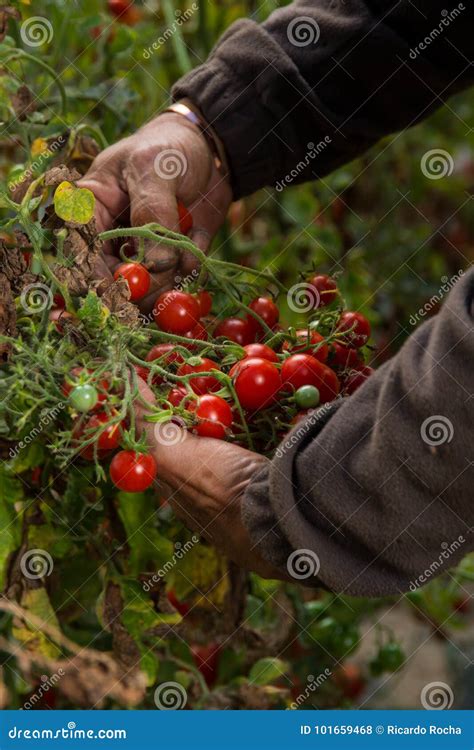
{"x": 204, "y": 480}
{"x": 139, "y": 180}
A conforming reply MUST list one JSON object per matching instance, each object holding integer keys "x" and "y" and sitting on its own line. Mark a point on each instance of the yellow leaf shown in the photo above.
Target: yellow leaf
{"x": 74, "y": 204}
{"x": 39, "y": 146}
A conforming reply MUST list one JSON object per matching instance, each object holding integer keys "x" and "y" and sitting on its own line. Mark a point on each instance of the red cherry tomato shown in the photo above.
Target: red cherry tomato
{"x": 266, "y": 309}
{"x": 235, "y": 329}
{"x": 58, "y": 316}
{"x": 132, "y": 472}
{"x": 344, "y": 357}
{"x": 262, "y": 351}
{"x": 142, "y": 372}
{"x": 181, "y": 607}
{"x": 176, "y": 312}
{"x": 164, "y": 352}
{"x": 110, "y": 437}
{"x": 117, "y": 7}
{"x": 177, "y": 395}
{"x": 323, "y": 289}
{"x": 360, "y": 326}
{"x": 356, "y": 378}
{"x": 206, "y": 659}
{"x": 137, "y": 278}
{"x": 257, "y": 383}
{"x": 185, "y": 219}
{"x": 350, "y": 680}
{"x": 166, "y": 355}
{"x": 303, "y": 369}
{"x": 311, "y": 339}
{"x": 205, "y": 383}
{"x": 214, "y": 416}
{"x": 205, "y": 302}
{"x": 198, "y": 332}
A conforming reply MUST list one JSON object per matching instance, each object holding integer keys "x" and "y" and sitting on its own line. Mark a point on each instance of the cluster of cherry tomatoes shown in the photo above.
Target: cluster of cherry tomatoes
{"x": 225, "y": 373}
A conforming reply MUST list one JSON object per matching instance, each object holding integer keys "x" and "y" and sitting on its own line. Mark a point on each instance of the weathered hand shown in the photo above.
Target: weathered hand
{"x": 204, "y": 480}
{"x": 139, "y": 180}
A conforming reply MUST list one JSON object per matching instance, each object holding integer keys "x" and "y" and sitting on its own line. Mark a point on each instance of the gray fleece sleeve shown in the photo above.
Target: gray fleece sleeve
{"x": 376, "y": 491}
{"x": 322, "y": 80}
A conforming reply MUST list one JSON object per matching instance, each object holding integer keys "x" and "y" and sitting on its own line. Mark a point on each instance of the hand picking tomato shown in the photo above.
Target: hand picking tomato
{"x": 137, "y": 278}
{"x": 176, "y": 312}
{"x": 205, "y": 383}
{"x": 185, "y": 219}
{"x": 132, "y": 472}
{"x": 257, "y": 383}
{"x": 237, "y": 330}
{"x": 214, "y": 416}
{"x": 304, "y": 369}
{"x": 323, "y": 289}
{"x": 357, "y": 327}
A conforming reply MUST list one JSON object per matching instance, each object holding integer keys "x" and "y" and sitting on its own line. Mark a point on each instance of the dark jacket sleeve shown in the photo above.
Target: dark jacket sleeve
{"x": 374, "y": 494}
{"x": 322, "y": 80}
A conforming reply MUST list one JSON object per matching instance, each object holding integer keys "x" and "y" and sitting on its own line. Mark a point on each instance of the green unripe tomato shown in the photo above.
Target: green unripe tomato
{"x": 83, "y": 397}
{"x": 307, "y": 397}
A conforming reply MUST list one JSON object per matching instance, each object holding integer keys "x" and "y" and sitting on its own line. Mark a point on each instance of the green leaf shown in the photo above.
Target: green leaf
{"x": 27, "y": 458}
{"x": 93, "y": 313}
{"x": 37, "y": 602}
{"x": 11, "y": 491}
{"x": 149, "y": 550}
{"x": 268, "y": 670}
{"x": 74, "y": 204}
